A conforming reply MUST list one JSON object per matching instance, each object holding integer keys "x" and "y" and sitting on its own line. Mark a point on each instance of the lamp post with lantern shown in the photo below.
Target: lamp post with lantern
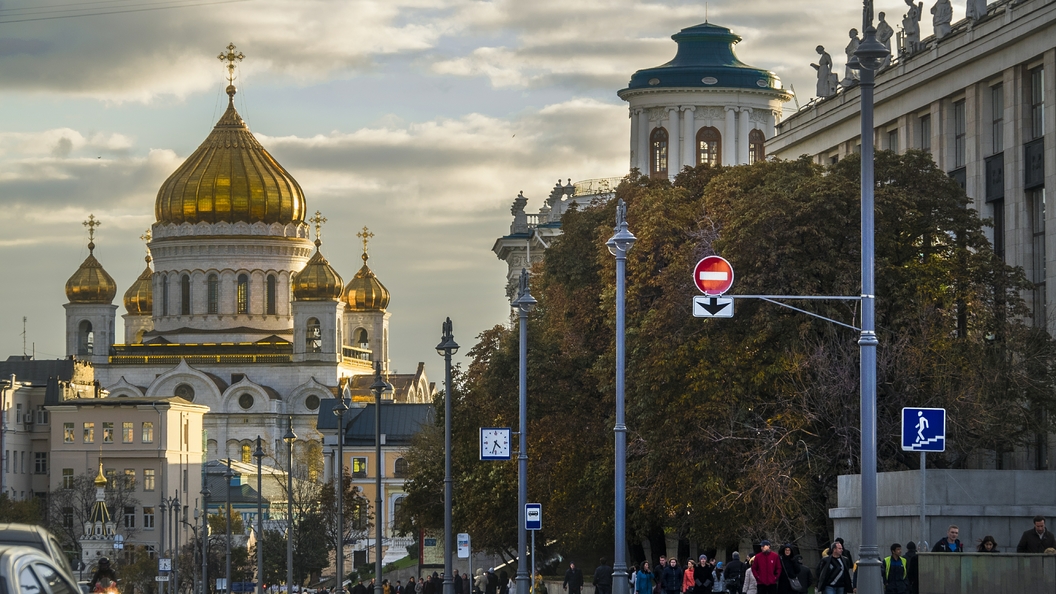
{"x": 446, "y": 349}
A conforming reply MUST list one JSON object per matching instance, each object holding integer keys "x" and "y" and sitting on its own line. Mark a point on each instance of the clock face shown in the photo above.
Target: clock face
{"x": 494, "y": 443}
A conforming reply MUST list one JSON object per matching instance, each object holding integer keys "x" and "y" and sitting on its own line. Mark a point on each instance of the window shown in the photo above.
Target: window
{"x": 43, "y": 416}
{"x": 925, "y": 132}
{"x": 399, "y": 469}
{"x": 108, "y": 432}
{"x": 756, "y": 150}
{"x": 130, "y": 517}
{"x": 85, "y": 338}
{"x": 67, "y": 432}
{"x": 67, "y": 517}
{"x": 397, "y": 507}
{"x": 40, "y": 462}
{"x": 892, "y": 140}
{"x": 111, "y": 479}
{"x": 67, "y": 478}
{"x": 185, "y": 295}
{"x": 148, "y": 518}
{"x": 243, "y": 294}
{"x": 709, "y": 146}
{"x": 269, "y": 296}
{"x": 999, "y": 228}
{"x": 148, "y": 432}
{"x": 184, "y": 391}
{"x": 959, "y": 133}
{"x": 247, "y": 453}
{"x": 359, "y": 468}
{"x": 164, "y": 296}
{"x": 1037, "y": 103}
{"x": 148, "y": 479}
{"x": 1037, "y": 224}
{"x": 313, "y": 341}
{"x": 130, "y": 479}
{"x": 213, "y": 293}
{"x": 245, "y": 401}
{"x": 362, "y": 339}
{"x": 128, "y": 432}
{"x": 658, "y": 153}
{"x": 89, "y": 433}
{"x": 18, "y": 413}
{"x": 997, "y": 118}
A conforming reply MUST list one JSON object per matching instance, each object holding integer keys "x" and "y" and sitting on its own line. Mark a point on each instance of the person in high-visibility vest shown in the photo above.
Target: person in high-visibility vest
{"x": 896, "y": 576}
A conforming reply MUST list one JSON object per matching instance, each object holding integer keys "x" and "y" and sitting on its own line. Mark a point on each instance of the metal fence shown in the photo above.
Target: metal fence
{"x": 979, "y": 573}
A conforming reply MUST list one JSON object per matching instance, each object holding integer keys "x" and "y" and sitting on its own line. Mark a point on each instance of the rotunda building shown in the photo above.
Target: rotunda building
{"x": 704, "y": 106}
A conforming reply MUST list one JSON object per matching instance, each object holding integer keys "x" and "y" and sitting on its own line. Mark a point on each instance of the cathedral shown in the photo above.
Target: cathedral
{"x": 241, "y": 311}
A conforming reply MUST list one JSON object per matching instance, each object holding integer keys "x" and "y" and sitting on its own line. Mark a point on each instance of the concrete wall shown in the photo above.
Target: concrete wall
{"x": 984, "y": 573}
{"x": 999, "y": 503}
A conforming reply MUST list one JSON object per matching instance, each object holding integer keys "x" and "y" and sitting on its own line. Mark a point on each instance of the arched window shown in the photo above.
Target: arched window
{"x": 658, "y": 153}
{"x": 361, "y": 338}
{"x": 397, "y": 507}
{"x": 709, "y": 146}
{"x": 243, "y": 294}
{"x": 247, "y": 453}
{"x": 313, "y": 342}
{"x": 399, "y": 469}
{"x": 756, "y": 151}
{"x": 213, "y": 285}
{"x": 185, "y": 295}
{"x": 164, "y": 295}
{"x": 85, "y": 338}
{"x": 269, "y": 296}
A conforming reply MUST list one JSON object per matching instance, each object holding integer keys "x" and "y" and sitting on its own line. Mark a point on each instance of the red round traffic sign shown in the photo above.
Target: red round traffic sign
{"x": 713, "y": 275}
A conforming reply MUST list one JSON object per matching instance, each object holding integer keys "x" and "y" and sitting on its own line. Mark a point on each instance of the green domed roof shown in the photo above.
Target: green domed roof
{"x": 705, "y": 59}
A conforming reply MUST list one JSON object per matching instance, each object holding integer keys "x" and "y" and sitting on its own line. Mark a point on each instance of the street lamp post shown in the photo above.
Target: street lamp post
{"x": 619, "y": 244}
{"x": 194, "y": 534}
{"x": 259, "y": 455}
{"x": 340, "y": 407}
{"x": 163, "y": 508}
{"x": 870, "y": 56}
{"x": 228, "y": 475}
{"x": 524, "y": 304}
{"x": 174, "y": 551}
{"x": 379, "y": 386}
{"x": 289, "y": 438}
{"x": 446, "y": 349}
{"x": 205, "y": 535}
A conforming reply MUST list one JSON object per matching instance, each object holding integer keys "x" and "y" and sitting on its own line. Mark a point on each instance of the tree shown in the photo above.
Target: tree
{"x": 356, "y": 514}
{"x": 69, "y": 507}
{"x": 26, "y": 511}
{"x": 274, "y": 544}
{"x": 307, "y": 526}
{"x": 218, "y": 523}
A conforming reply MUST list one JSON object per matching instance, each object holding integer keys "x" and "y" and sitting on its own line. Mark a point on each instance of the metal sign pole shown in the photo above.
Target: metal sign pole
{"x": 532, "y": 558}
{"x": 923, "y": 493}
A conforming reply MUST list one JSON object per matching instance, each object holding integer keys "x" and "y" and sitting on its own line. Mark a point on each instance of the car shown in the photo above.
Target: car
{"x": 39, "y": 538}
{"x": 26, "y": 570}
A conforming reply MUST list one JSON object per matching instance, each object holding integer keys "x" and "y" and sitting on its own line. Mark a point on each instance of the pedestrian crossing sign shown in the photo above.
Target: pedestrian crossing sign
{"x": 924, "y": 429}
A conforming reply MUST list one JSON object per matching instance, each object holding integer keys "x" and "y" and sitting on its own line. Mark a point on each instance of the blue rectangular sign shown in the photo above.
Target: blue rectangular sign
{"x": 533, "y": 516}
{"x": 924, "y": 429}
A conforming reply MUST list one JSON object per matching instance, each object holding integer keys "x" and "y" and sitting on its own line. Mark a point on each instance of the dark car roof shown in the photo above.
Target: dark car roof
{"x": 22, "y": 534}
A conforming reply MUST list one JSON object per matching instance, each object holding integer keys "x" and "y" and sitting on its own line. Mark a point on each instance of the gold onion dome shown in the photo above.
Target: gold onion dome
{"x": 317, "y": 281}
{"x": 91, "y": 284}
{"x": 139, "y": 298}
{"x": 365, "y": 292}
{"x": 230, "y": 178}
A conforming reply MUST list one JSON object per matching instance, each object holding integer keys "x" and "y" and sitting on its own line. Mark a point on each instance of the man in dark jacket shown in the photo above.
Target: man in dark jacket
{"x": 359, "y": 588}
{"x": 671, "y": 578}
{"x": 911, "y": 566}
{"x": 602, "y": 578}
{"x": 734, "y": 574}
{"x": 1036, "y": 540}
{"x": 949, "y": 543}
{"x": 493, "y": 582}
{"x": 834, "y": 572}
{"x": 573, "y": 579}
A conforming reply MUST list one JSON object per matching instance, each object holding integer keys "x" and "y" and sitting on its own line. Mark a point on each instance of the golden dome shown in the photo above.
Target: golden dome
{"x": 317, "y": 281}
{"x": 365, "y": 292}
{"x": 139, "y": 298}
{"x": 91, "y": 284}
{"x": 230, "y": 178}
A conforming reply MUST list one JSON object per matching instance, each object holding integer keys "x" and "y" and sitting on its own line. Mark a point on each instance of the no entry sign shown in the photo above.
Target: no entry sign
{"x": 713, "y": 275}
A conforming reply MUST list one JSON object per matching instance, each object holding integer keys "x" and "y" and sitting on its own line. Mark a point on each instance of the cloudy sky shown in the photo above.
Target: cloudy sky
{"x": 420, "y": 119}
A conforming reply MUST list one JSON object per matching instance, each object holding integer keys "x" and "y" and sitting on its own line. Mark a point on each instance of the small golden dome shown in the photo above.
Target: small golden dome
{"x": 230, "y": 178}
{"x": 365, "y": 292}
{"x": 139, "y": 298}
{"x": 91, "y": 284}
{"x": 317, "y": 281}
{"x": 100, "y": 480}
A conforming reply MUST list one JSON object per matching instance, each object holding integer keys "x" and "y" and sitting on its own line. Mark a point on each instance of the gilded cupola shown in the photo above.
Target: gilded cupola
{"x": 139, "y": 298}
{"x": 231, "y": 177}
{"x": 91, "y": 284}
{"x": 317, "y": 281}
{"x": 365, "y": 292}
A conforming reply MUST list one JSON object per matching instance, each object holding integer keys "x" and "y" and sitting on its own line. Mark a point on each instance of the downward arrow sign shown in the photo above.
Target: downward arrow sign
{"x": 709, "y": 306}
{"x": 713, "y": 306}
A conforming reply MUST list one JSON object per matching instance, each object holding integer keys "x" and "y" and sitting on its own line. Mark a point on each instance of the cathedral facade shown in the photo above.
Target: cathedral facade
{"x": 241, "y": 311}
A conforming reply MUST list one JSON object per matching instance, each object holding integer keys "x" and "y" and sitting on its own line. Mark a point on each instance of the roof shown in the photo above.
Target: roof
{"x": 400, "y": 422}
{"x": 37, "y": 371}
{"x": 129, "y": 401}
{"x": 705, "y": 60}
{"x": 240, "y": 494}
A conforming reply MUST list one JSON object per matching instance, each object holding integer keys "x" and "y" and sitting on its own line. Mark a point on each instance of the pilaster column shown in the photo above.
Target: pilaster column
{"x": 635, "y": 114}
{"x": 673, "y": 159}
{"x": 643, "y": 141}
{"x": 745, "y": 119}
{"x": 689, "y": 137}
{"x": 729, "y": 142}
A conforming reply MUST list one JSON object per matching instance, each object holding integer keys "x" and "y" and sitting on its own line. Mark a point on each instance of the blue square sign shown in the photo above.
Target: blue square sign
{"x": 924, "y": 429}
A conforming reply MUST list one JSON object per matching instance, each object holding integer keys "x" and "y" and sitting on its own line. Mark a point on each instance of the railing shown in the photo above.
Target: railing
{"x": 533, "y": 220}
{"x": 356, "y": 353}
{"x": 196, "y": 359}
{"x": 595, "y": 187}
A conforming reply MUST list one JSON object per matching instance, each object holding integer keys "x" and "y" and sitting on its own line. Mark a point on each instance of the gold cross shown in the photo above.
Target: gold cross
{"x": 91, "y": 223}
{"x": 231, "y": 57}
{"x": 318, "y": 220}
{"x": 365, "y": 234}
{"x": 146, "y": 239}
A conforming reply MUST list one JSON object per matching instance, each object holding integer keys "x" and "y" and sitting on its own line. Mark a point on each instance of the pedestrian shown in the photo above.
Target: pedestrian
{"x": 643, "y": 580}
{"x": 457, "y": 580}
{"x": 734, "y": 574}
{"x": 767, "y": 569}
{"x": 359, "y": 588}
{"x": 834, "y": 575}
{"x": 750, "y": 586}
{"x": 573, "y": 583}
{"x": 911, "y": 566}
{"x": 896, "y": 576}
{"x": 493, "y": 582}
{"x": 671, "y": 577}
{"x": 658, "y": 574}
{"x": 789, "y": 571}
{"x": 504, "y": 582}
{"x": 480, "y": 582}
{"x": 399, "y": 587}
{"x": 602, "y": 577}
{"x": 950, "y": 543}
{"x": 718, "y": 581}
{"x": 688, "y": 577}
{"x": 989, "y": 545}
{"x": 1036, "y": 540}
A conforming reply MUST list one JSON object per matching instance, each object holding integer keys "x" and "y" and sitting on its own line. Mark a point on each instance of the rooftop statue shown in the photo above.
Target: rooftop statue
{"x": 849, "y": 76}
{"x": 976, "y": 9}
{"x": 827, "y": 79}
{"x": 884, "y": 33}
{"x": 943, "y": 12}
{"x": 911, "y": 27}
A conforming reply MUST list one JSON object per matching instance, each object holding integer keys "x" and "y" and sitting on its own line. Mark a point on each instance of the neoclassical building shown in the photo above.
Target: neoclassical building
{"x": 241, "y": 311}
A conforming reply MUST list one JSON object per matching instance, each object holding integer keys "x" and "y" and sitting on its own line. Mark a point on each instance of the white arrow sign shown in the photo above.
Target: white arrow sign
{"x": 712, "y": 307}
